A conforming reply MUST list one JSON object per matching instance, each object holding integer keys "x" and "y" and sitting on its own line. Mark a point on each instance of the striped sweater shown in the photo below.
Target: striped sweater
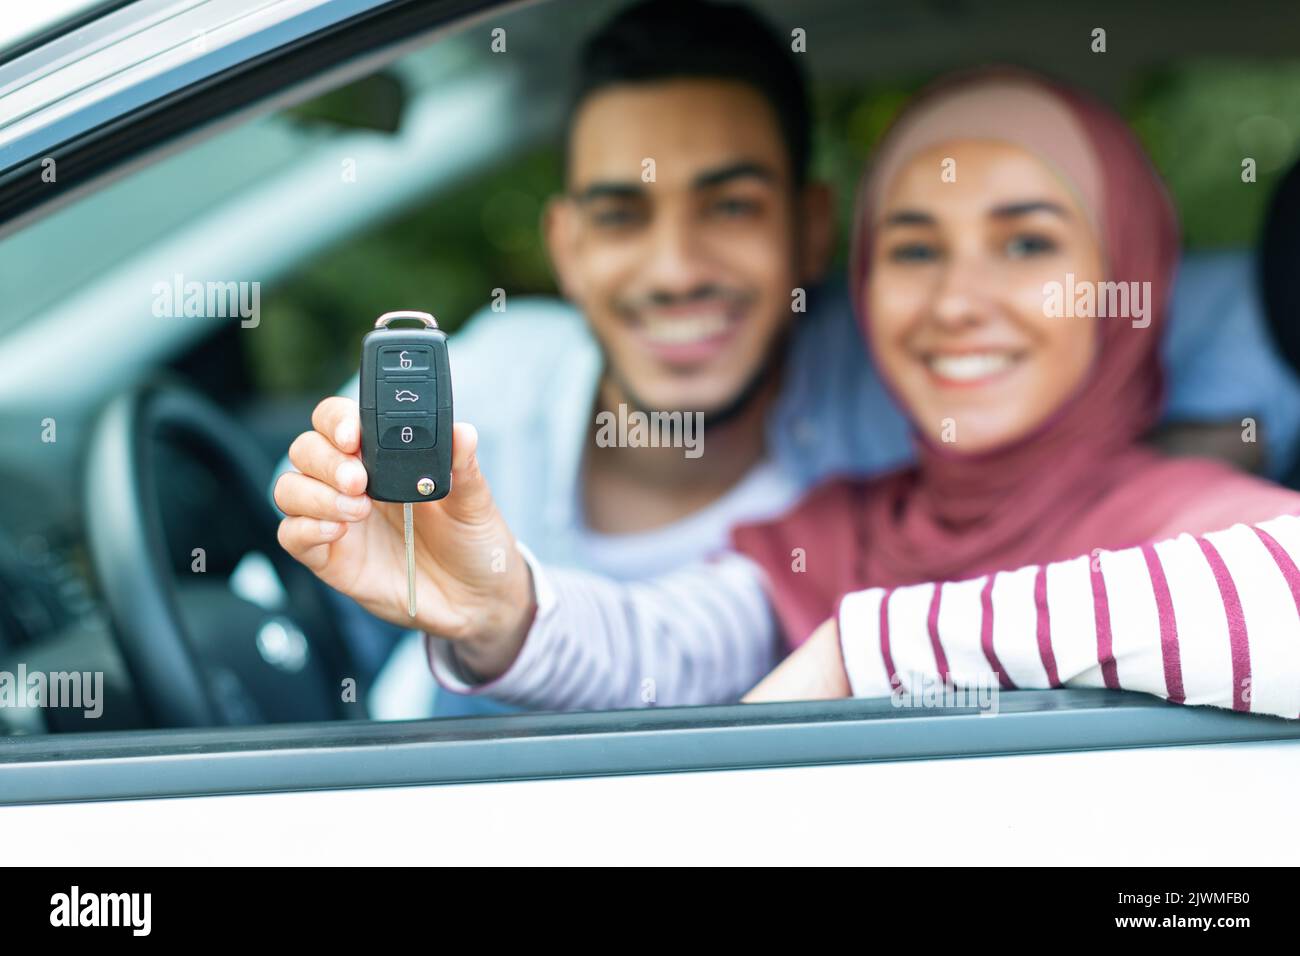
{"x": 1211, "y": 619}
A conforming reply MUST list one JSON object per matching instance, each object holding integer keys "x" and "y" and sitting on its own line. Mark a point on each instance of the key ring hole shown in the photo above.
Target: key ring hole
{"x": 385, "y": 320}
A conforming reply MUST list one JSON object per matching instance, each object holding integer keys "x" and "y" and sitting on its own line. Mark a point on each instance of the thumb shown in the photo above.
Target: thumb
{"x": 470, "y": 499}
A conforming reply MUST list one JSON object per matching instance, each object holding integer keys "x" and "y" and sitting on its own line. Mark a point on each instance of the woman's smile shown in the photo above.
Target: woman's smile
{"x": 971, "y": 368}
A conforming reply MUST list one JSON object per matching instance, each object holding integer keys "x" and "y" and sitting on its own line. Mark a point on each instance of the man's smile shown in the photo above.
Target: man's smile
{"x": 691, "y": 333}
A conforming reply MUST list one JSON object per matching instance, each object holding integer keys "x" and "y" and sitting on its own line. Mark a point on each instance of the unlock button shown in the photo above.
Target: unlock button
{"x": 404, "y": 360}
{"x": 407, "y": 432}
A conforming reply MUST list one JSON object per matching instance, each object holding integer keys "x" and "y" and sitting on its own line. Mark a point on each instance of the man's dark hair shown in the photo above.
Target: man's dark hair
{"x": 658, "y": 40}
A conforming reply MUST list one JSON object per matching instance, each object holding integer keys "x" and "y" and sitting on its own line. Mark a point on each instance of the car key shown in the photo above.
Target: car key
{"x": 406, "y": 419}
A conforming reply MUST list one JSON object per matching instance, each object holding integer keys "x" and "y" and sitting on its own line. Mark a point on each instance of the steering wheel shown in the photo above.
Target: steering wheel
{"x": 216, "y": 623}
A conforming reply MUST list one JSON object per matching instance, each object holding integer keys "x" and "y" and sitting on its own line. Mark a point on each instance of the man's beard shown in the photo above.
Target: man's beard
{"x": 730, "y": 410}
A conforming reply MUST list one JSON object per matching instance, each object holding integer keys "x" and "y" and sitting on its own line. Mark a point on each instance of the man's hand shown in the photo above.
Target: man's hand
{"x": 814, "y": 672}
{"x": 472, "y": 585}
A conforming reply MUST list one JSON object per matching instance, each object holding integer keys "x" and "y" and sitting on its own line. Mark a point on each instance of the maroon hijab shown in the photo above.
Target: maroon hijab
{"x": 1080, "y": 480}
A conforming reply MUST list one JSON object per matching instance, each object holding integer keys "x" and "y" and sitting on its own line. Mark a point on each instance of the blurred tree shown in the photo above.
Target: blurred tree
{"x": 1199, "y": 121}
{"x": 445, "y": 256}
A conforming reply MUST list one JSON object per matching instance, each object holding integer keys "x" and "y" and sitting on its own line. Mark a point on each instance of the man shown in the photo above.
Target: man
{"x": 691, "y": 271}
{"x": 688, "y": 236}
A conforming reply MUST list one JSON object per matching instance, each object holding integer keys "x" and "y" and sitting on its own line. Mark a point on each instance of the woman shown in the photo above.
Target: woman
{"x": 1027, "y": 416}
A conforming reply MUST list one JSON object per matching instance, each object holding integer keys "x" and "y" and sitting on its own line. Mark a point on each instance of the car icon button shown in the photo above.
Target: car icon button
{"x": 405, "y": 395}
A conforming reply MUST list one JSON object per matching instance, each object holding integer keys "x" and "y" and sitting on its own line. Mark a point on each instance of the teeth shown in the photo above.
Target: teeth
{"x": 969, "y": 368}
{"x": 696, "y": 328}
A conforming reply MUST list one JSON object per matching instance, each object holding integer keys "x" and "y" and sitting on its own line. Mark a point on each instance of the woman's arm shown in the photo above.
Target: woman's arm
{"x": 702, "y": 635}
{"x": 1211, "y": 619}
{"x": 814, "y": 672}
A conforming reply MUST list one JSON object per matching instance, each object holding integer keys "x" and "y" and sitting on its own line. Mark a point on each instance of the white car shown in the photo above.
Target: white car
{"x": 146, "y": 142}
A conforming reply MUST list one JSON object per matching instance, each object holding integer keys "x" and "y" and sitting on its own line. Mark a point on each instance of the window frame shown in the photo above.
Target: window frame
{"x": 283, "y": 64}
{"x": 367, "y": 754}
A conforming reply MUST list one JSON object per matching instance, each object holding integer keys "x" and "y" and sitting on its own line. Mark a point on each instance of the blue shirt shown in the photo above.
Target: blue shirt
{"x": 1222, "y": 364}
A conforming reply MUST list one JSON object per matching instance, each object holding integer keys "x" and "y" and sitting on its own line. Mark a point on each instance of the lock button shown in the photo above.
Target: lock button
{"x": 413, "y": 432}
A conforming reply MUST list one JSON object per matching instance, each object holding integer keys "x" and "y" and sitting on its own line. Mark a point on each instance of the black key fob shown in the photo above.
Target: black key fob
{"x": 406, "y": 415}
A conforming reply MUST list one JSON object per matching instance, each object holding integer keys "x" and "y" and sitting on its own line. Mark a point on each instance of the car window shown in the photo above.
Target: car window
{"x": 423, "y": 184}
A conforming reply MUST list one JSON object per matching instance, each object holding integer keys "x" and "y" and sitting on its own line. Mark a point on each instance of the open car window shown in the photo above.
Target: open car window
{"x": 391, "y": 155}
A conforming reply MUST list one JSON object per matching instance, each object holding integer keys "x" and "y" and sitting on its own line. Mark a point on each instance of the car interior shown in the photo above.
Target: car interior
{"x": 132, "y": 432}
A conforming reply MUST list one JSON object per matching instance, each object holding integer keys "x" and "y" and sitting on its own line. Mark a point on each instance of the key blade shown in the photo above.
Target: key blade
{"x": 408, "y": 529}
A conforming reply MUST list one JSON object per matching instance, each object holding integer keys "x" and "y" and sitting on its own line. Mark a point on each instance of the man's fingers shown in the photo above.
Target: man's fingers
{"x": 308, "y": 539}
{"x": 339, "y": 420}
{"x": 316, "y": 456}
{"x": 303, "y": 496}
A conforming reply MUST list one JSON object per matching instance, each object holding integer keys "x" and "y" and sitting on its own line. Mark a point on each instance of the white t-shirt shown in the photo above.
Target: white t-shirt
{"x": 765, "y": 492}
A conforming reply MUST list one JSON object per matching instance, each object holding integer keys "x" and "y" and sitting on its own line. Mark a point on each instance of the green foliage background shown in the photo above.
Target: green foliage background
{"x": 1197, "y": 120}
